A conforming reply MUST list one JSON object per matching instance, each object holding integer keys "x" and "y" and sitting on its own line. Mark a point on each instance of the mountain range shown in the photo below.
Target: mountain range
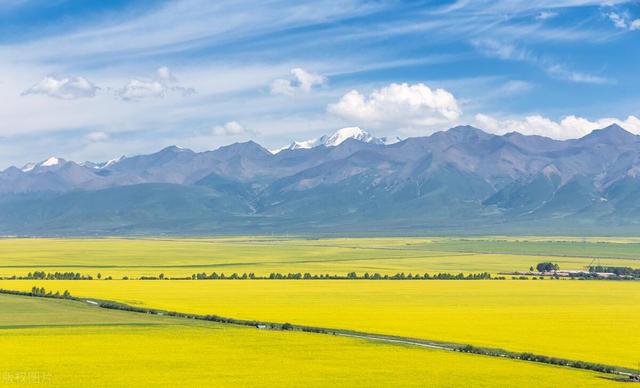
{"x": 462, "y": 181}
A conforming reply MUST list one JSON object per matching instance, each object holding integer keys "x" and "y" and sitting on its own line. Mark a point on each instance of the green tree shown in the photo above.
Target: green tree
{"x": 547, "y": 266}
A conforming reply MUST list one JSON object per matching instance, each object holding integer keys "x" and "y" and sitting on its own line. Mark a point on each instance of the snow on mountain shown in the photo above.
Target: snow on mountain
{"x": 28, "y": 167}
{"x": 101, "y": 165}
{"x": 349, "y": 133}
{"x": 112, "y": 162}
{"x": 338, "y": 138}
{"x": 307, "y": 143}
{"x": 52, "y": 161}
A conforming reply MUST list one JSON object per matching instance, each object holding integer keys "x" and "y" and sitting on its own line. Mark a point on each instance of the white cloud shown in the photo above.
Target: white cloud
{"x": 307, "y": 80}
{"x": 96, "y": 136}
{"x": 569, "y": 127}
{"x": 623, "y": 21}
{"x": 64, "y": 88}
{"x": 618, "y": 20}
{"x": 414, "y": 105}
{"x": 302, "y": 81}
{"x": 72, "y": 88}
{"x": 231, "y": 128}
{"x": 159, "y": 86}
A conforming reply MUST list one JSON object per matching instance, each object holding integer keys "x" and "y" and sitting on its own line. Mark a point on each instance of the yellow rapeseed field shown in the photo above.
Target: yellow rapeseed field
{"x": 67, "y": 344}
{"x": 593, "y": 321}
{"x": 263, "y": 255}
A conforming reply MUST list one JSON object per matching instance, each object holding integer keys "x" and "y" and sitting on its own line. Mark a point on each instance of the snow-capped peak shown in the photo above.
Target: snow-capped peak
{"x": 337, "y": 138}
{"x": 296, "y": 145}
{"x": 52, "y": 161}
{"x": 348, "y": 133}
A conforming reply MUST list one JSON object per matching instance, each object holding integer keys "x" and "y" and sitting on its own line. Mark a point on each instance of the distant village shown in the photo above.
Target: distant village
{"x": 590, "y": 272}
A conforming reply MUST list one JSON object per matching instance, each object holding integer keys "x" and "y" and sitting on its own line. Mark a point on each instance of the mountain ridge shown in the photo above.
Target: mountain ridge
{"x": 460, "y": 178}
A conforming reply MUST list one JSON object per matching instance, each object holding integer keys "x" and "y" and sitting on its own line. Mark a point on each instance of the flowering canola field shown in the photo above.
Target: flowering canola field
{"x": 71, "y": 344}
{"x": 67, "y": 344}
{"x": 180, "y": 257}
{"x": 592, "y": 321}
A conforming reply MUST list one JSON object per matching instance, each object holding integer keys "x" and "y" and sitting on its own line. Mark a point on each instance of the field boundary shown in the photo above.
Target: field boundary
{"x": 390, "y": 339}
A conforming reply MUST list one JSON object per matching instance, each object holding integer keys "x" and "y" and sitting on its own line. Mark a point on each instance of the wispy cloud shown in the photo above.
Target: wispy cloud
{"x": 502, "y": 50}
{"x": 511, "y": 52}
{"x": 561, "y": 72}
{"x": 514, "y": 87}
{"x": 96, "y": 136}
{"x": 187, "y": 25}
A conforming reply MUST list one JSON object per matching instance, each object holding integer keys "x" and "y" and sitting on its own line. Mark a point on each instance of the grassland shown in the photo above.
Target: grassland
{"x": 24, "y": 312}
{"x": 64, "y": 343}
{"x": 586, "y": 320}
{"x": 183, "y": 257}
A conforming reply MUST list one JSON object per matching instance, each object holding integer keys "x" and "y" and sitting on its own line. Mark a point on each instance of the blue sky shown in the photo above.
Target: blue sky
{"x": 91, "y": 80}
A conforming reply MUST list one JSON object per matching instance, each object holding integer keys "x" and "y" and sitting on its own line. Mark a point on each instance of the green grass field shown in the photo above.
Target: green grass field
{"x": 17, "y": 312}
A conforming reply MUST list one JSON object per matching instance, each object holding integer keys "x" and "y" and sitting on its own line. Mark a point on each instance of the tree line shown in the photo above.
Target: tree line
{"x": 212, "y": 318}
{"x": 41, "y": 275}
{"x": 39, "y": 292}
{"x": 538, "y": 358}
{"x": 348, "y": 276}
